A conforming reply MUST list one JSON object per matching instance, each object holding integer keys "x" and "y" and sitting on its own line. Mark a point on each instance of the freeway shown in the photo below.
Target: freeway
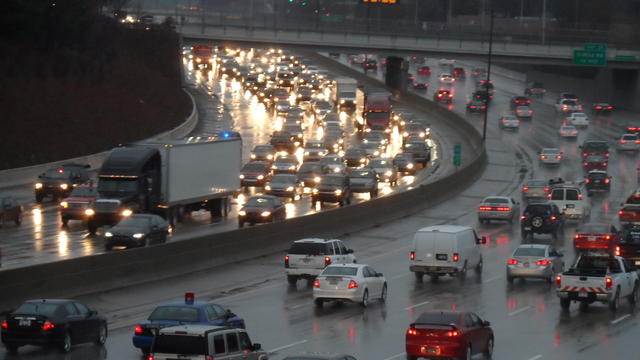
{"x": 223, "y": 106}
{"x": 525, "y": 316}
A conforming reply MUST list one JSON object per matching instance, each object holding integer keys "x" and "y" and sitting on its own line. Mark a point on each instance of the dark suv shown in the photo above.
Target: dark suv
{"x": 58, "y": 182}
{"x": 332, "y": 188}
{"x": 541, "y": 218}
{"x": 597, "y": 180}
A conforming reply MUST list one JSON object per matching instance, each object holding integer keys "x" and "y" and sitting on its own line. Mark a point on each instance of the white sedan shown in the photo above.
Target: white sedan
{"x": 358, "y": 283}
{"x": 447, "y": 78}
{"x": 578, "y": 119}
{"x": 568, "y": 131}
{"x": 629, "y": 142}
{"x": 551, "y": 156}
{"x": 509, "y": 122}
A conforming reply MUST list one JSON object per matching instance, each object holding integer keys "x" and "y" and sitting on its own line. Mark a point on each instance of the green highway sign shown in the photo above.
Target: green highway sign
{"x": 595, "y": 47}
{"x": 589, "y": 58}
{"x": 625, "y": 58}
{"x": 457, "y": 154}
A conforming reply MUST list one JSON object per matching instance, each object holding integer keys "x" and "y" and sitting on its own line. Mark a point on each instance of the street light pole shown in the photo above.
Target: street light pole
{"x": 486, "y": 112}
{"x": 544, "y": 21}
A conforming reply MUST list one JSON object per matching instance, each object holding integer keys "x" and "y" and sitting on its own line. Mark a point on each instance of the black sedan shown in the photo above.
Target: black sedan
{"x": 405, "y": 163}
{"x": 137, "y": 230}
{"x": 309, "y": 174}
{"x": 332, "y": 188}
{"x": 263, "y": 153}
{"x": 597, "y": 180}
{"x": 53, "y": 322}
{"x": 283, "y": 141}
{"x": 594, "y": 162}
{"x": 262, "y": 209}
{"x": 476, "y": 106}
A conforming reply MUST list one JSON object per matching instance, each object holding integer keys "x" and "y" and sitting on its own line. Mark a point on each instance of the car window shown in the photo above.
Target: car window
{"x": 340, "y": 270}
{"x": 329, "y": 247}
{"x": 218, "y": 345}
{"x": 557, "y": 194}
{"x": 308, "y": 249}
{"x": 337, "y": 248}
{"x": 219, "y": 310}
{"x": 70, "y": 309}
{"x": 468, "y": 322}
{"x": 82, "y": 310}
{"x": 475, "y": 320}
{"x": 38, "y": 308}
{"x": 572, "y": 194}
{"x": 211, "y": 313}
{"x": 232, "y": 342}
{"x": 343, "y": 249}
{"x": 245, "y": 342}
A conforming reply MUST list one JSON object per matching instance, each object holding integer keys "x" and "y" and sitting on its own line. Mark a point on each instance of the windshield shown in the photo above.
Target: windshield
{"x": 597, "y": 176}
{"x": 332, "y": 180}
{"x": 83, "y": 192}
{"x": 331, "y": 160}
{"x": 175, "y": 313}
{"x": 38, "y": 308}
{"x": 253, "y": 167}
{"x": 379, "y": 163}
{"x": 309, "y": 249}
{"x": 308, "y": 168}
{"x": 122, "y": 186}
{"x": 55, "y": 174}
{"x": 529, "y": 251}
{"x": 263, "y": 149}
{"x": 202, "y": 52}
{"x": 361, "y": 174}
{"x": 180, "y": 345}
{"x": 283, "y": 179}
{"x": 347, "y": 94}
{"x": 496, "y": 200}
{"x": 438, "y": 318}
{"x": 594, "y": 229}
{"x": 633, "y": 199}
{"x": 260, "y": 202}
{"x": 550, "y": 151}
{"x": 537, "y": 183}
{"x": 632, "y": 236}
{"x": 134, "y": 221}
{"x": 538, "y": 209}
{"x": 340, "y": 270}
{"x": 378, "y": 116}
{"x": 355, "y": 153}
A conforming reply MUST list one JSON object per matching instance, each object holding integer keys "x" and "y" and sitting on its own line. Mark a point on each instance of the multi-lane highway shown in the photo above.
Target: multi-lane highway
{"x": 526, "y": 316}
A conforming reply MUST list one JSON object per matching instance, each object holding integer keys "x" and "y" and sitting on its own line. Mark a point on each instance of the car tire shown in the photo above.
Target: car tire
{"x": 411, "y": 357}
{"x": 92, "y": 227}
{"x": 65, "y": 221}
{"x": 365, "y": 299}
{"x": 488, "y": 352}
{"x": 468, "y": 354}
{"x": 565, "y": 303}
{"x": 419, "y": 275}
{"x": 12, "y": 348}
{"x": 240, "y": 224}
{"x": 65, "y": 345}
{"x": 102, "y": 335}
{"x": 510, "y": 279}
{"x": 292, "y": 280}
{"x": 633, "y": 297}
{"x": 39, "y": 198}
{"x": 462, "y": 274}
{"x": 551, "y": 277}
{"x": 383, "y": 295}
{"x": 478, "y": 268}
{"x": 318, "y": 303}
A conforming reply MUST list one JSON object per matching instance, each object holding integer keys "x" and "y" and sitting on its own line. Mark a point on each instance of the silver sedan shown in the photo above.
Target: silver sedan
{"x": 498, "y": 208}
{"x": 535, "y": 261}
{"x": 358, "y": 283}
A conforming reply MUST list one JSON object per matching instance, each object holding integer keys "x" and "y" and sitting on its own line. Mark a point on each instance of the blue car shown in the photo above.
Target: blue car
{"x": 179, "y": 313}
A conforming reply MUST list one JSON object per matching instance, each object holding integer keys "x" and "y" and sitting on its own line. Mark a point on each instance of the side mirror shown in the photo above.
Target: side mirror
{"x": 92, "y": 313}
{"x": 230, "y": 313}
{"x": 560, "y": 254}
{"x": 482, "y": 240}
{"x": 485, "y": 323}
{"x": 379, "y": 275}
{"x": 256, "y": 347}
{"x": 349, "y": 251}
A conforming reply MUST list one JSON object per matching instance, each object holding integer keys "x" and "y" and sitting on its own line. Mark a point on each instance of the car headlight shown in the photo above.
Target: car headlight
{"x": 292, "y": 167}
{"x": 266, "y": 213}
{"x": 38, "y": 185}
{"x": 260, "y": 177}
{"x": 199, "y": 60}
{"x": 421, "y": 134}
{"x": 363, "y": 160}
{"x": 306, "y": 153}
{"x": 273, "y": 167}
{"x": 315, "y": 191}
{"x": 336, "y": 169}
{"x": 388, "y": 173}
{"x": 64, "y": 186}
{"x": 242, "y": 213}
{"x": 405, "y": 134}
{"x": 376, "y": 153}
{"x": 341, "y": 101}
{"x": 241, "y": 176}
{"x": 267, "y": 187}
{"x": 138, "y": 235}
{"x": 64, "y": 204}
{"x": 338, "y": 192}
{"x": 108, "y": 234}
{"x": 409, "y": 166}
{"x": 126, "y": 212}
{"x": 253, "y": 156}
{"x": 269, "y": 156}
{"x": 89, "y": 212}
{"x": 290, "y": 188}
{"x": 223, "y": 68}
{"x": 317, "y": 179}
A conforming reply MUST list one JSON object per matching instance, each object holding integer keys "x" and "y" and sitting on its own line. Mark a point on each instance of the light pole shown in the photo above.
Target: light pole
{"x": 544, "y": 21}
{"x": 486, "y": 110}
{"x": 521, "y": 12}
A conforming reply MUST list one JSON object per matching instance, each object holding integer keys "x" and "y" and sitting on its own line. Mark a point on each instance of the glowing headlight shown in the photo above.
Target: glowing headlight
{"x": 405, "y": 134}
{"x": 306, "y": 153}
{"x": 108, "y": 234}
{"x": 363, "y": 160}
{"x": 89, "y": 212}
{"x": 64, "y": 186}
{"x": 38, "y": 185}
{"x": 267, "y": 187}
{"x": 126, "y": 212}
{"x": 273, "y": 167}
{"x": 422, "y": 134}
{"x": 402, "y": 123}
{"x": 223, "y": 68}
{"x": 200, "y": 60}
{"x": 338, "y": 192}
{"x": 317, "y": 179}
{"x": 341, "y": 101}
{"x": 138, "y": 235}
{"x": 242, "y": 213}
{"x": 365, "y": 141}
{"x": 266, "y": 213}
{"x": 241, "y": 176}
{"x": 410, "y": 166}
{"x": 376, "y": 153}
{"x": 269, "y": 156}
{"x": 336, "y": 170}
{"x": 340, "y": 141}
{"x": 315, "y": 191}
{"x": 64, "y": 204}
{"x": 260, "y": 177}
{"x": 253, "y": 156}
{"x": 388, "y": 173}
{"x": 292, "y": 167}
{"x": 290, "y": 188}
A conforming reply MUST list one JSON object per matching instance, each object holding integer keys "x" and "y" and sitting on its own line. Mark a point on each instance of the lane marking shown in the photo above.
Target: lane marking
{"x": 491, "y": 279}
{"x": 399, "y": 276}
{"x": 620, "y": 319}
{"x": 417, "y": 305}
{"x": 286, "y": 346}
{"x": 516, "y": 312}
{"x": 536, "y": 357}
{"x": 396, "y": 356}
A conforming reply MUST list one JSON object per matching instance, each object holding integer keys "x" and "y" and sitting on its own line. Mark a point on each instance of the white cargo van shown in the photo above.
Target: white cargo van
{"x": 446, "y": 249}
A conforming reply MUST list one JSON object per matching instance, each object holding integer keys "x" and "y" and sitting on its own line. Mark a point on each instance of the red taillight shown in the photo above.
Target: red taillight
{"x": 286, "y": 261}
{"x": 623, "y": 141}
{"x": 150, "y": 357}
{"x": 5, "y": 324}
{"x": 607, "y": 237}
{"x": 587, "y": 181}
{"x": 620, "y": 212}
{"x": 558, "y": 156}
{"x": 637, "y": 141}
{"x": 554, "y": 218}
{"x": 617, "y": 254}
{"x": 558, "y": 280}
{"x": 606, "y": 181}
{"x": 525, "y": 188}
{"x": 472, "y": 106}
{"x": 504, "y": 209}
{"x": 47, "y": 325}
{"x": 483, "y": 107}
{"x": 576, "y": 236}
{"x": 452, "y": 333}
{"x": 137, "y": 329}
{"x": 316, "y": 283}
{"x": 585, "y": 154}
{"x": 412, "y": 255}
{"x": 412, "y": 332}
{"x": 543, "y": 262}
{"x": 522, "y": 217}
{"x": 607, "y": 154}
{"x": 543, "y": 156}
{"x": 456, "y": 257}
{"x": 608, "y": 282}
{"x": 353, "y": 284}
{"x": 604, "y": 164}
{"x": 563, "y": 132}
{"x": 580, "y": 196}
{"x": 609, "y": 107}
{"x": 546, "y": 189}
{"x": 327, "y": 260}
{"x": 598, "y": 107}
{"x": 512, "y": 262}
{"x": 585, "y": 163}
{"x": 485, "y": 208}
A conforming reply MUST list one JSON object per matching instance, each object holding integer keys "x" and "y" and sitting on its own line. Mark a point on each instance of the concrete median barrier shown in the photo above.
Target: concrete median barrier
{"x": 28, "y": 174}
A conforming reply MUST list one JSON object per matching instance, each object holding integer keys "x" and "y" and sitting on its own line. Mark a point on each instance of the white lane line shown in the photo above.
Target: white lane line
{"x": 536, "y": 357}
{"x": 286, "y": 346}
{"x": 417, "y": 305}
{"x": 516, "y": 312}
{"x": 398, "y": 276}
{"x": 396, "y": 356}
{"x": 620, "y": 319}
{"x": 491, "y": 279}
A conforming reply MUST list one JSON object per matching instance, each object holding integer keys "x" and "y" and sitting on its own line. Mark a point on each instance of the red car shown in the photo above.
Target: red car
{"x": 596, "y": 237}
{"x": 74, "y": 206}
{"x": 449, "y": 334}
{"x": 424, "y": 70}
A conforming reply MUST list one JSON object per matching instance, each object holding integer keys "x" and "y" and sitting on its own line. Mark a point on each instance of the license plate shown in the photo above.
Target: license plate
{"x": 592, "y": 238}
{"x": 583, "y": 294}
{"x": 306, "y": 261}
{"x": 526, "y": 264}
{"x": 596, "y": 181}
{"x": 441, "y": 256}
{"x": 569, "y": 206}
{"x": 527, "y": 228}
{"x": 24, "y": 322}
{"x": 333, "y": 282}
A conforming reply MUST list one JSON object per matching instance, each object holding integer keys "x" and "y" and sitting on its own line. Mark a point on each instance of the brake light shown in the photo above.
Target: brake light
{"x": 456, "y": 257}
{"x": 558, "y": 280}
{"x": 585, "y": 163}
{"x": 316, "y": 283}
{"x": 504, "y": 209}
{"x": 137, "y": 329}
{"x": 607, "y": 237}
{"x": 353, "y": 284}
{"x": 5, "y": 324}
{"x": 47, "y": 325}
{"x": 587, "y": 180}
{"x": 617, "y": 254}
{"x": 623, "y": 141}
{"x": 580, "y": 196}
{"x": 606, "y": 181}
{"x": 607, "y": 154}
{"x": 412, "y": 332}
{"x": 525, "y": 188}
{"x": 546, "y": 189}
{"x": 585, "y": 154}
{"x": 522, "y": 217}
{"x": 598, "y": 107}
{"x": 620, "y": 212}
{"x": 286, "y": 261}
{"x": 327, "y": 260}
{"x": 543, "y": 156}
{"x": 543, "y": 262}
{"x": 412, "y": 255}
{"x": 150, "y": 357}
{"x": 637, "y": 141}
{"x": 483, "y": 107}
{"x": 484, "y": 208}
{"x": 604, "y": 164}
{"x": 512, "y": 262}
{"x": 452, "y": 333}
{"x": 558, "y": 156}
{"x": 554, "y": 218}
{"x": 608, "y": 282}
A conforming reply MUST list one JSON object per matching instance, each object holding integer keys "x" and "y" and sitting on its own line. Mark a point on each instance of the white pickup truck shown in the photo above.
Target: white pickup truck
{"x": 605, "y": 279}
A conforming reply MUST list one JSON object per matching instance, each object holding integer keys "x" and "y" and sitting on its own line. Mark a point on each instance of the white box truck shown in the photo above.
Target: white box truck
{"x": 345, "y": 93}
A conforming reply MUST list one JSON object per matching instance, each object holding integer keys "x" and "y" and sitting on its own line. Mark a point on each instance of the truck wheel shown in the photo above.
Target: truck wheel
{"x": 92, "y": 227}
{"x": 510, "y": 279}
{"x": 39, "y": 197}
{"x": 462, "y": 274}
{"x": 419, "y": 275}
{"x": 292, "y": 279}
{"x": 565, "y": 303}
{"x": 614, "y": 304}
{"x": 633, "y": 297}
{"x": 478, "y": 267}
{"x": 318, "y": 303}
{"x": 240, "y": 224}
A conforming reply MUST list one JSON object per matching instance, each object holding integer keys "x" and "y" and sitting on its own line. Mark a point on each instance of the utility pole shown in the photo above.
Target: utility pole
{"x": 449, "y": 17}
{"x": 486, "y": 112}
{"x": 482, "y": 15}
{"x": 521, "y": 12}
{"x": 544, "y": 21}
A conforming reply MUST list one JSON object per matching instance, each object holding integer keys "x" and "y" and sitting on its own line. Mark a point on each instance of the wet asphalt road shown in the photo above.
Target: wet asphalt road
{"x": 526, "y": 316}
